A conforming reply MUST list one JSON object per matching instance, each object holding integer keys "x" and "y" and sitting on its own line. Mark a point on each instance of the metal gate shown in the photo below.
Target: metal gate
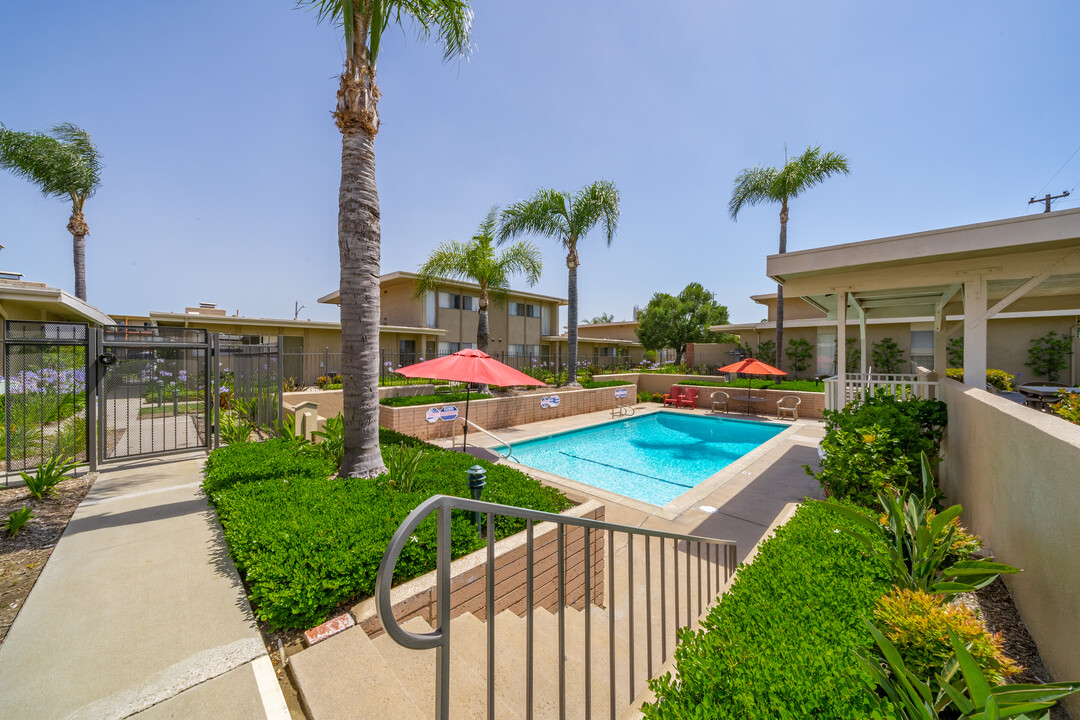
{"x": 155, "y": 391}
{"x": 46, "y": 405}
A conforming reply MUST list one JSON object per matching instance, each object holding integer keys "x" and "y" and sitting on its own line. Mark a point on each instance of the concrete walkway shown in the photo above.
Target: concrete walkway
{"x": 139, "y": 612}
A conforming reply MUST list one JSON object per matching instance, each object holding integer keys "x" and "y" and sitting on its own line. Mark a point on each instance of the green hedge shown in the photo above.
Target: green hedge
{"x": 305, "y": 542}
{"x": 793, "y": 385}
{"x": 594, "y": 384}
{"x": 780, "y": 643}
{"x": 432, "y": 399}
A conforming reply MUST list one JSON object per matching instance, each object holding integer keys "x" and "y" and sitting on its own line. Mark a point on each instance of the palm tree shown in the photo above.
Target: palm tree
{"x": 567, "y": 219}
{"x": 778, "y": 185}
{"x": 477, "y": 261}
{"x": 64, "y": 164}
{"x": 359, "y": 234}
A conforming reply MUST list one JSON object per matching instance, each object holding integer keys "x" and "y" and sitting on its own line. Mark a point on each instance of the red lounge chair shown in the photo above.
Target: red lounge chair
{"x": 674, "y": 397}
{"x": 690, "y": 399}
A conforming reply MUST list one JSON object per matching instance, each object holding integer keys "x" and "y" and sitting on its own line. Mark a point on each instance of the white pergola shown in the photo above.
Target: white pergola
{"x": 974, "y": 271}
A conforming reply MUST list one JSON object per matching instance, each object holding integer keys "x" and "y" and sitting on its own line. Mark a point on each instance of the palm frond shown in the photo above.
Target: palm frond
{"x": 809, "y": 169}
{"x": 597, "y": 203}
{"x": 64, "y": 163}
{"x": 522, "y": 258}
{"x": 752, "y": 186}
{"x": 448, "y": 260}
{"x": 450, "y": 19}
{"x": 545, "y": 214}
{"x": 489, "y": 226}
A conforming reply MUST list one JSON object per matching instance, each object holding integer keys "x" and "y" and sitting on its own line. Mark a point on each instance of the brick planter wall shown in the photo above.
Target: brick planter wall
{"x": 811, "y": 407}
{"x": 503, "y": 412}
{"x": 468, "y": 577}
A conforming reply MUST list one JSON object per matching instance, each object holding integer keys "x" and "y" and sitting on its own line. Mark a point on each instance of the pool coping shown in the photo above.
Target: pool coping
{"x": 677, "y": 508}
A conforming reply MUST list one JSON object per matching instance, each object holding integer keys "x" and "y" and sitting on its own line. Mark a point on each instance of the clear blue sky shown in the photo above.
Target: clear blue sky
{"x": 222, "y": 163}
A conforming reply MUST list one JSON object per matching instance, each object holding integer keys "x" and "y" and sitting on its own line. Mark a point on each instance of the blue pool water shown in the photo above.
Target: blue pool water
{"x": 654, "y": 458}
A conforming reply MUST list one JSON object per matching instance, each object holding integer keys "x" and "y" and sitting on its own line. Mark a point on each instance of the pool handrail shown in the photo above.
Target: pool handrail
{"x": 496, "y": 438}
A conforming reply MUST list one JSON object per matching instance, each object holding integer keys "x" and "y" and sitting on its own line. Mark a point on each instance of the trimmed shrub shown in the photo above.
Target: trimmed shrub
{"x": 269, "y": 460}
{"x": 1068, "y": 407}
{"x": 594, "y": 384}
{"x": 305, "y": 542}
{"x": 918, "y": 624}
{"x": 997, "y": 379}
{"x": 780, "y": 643}
{"x": 432, "y": 399}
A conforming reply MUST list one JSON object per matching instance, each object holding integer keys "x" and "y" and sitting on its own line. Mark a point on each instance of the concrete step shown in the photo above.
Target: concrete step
{"x": 415, "y": 670}
{"x": 345, "y": 678}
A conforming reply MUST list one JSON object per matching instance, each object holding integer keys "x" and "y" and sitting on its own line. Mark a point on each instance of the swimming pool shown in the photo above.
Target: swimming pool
{"x": 653, "y": 458}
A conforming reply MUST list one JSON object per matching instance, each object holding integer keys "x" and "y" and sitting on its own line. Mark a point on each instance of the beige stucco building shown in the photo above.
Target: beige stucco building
{"x": 997, "y": 285}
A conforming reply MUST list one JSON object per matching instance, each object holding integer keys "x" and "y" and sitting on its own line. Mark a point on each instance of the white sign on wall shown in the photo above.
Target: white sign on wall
{"x": 553, "y": 401}
{"x": 448, "y": 413}
{"x": 545, "y": 401}
{"x": 432, "y": 415}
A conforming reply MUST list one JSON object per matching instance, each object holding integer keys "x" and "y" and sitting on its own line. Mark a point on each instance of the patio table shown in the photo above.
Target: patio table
{"x": 1044, "y": 394}
{"x": 750, "y": 403}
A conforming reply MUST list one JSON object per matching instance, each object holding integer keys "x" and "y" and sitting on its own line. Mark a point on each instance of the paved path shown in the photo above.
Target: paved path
{"x": 139, "y": 612}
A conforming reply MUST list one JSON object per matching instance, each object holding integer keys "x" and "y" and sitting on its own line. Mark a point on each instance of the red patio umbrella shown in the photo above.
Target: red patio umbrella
{"x": 469, "y": 366}
{"x": 750, "y": 366}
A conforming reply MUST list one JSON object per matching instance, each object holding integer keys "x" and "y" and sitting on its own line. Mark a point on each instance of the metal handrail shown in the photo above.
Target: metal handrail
{"x": 725, "y": 556}
{"x": 496, "y": 438}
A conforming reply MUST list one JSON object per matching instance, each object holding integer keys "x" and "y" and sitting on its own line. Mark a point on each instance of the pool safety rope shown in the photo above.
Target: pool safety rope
{"x": 626, "y": 470}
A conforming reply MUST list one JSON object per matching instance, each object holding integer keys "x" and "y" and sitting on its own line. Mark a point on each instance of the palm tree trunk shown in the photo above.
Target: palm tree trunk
{"x": 571, "y": 319}
{"x": 359, "y": 235}
{"x": 483, "y": 336}
{"x": 79, "y": 229}
{"x": 780, "y": 290}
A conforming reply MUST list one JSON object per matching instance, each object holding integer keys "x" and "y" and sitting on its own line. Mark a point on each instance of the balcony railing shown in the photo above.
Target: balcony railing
{"x": 858, "y": 385}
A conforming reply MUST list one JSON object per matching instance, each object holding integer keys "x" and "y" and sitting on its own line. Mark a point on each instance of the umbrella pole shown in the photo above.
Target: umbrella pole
{"x": 465, "y": 440}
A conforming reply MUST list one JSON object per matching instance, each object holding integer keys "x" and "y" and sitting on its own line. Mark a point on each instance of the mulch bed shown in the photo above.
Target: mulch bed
{"x": 995, "y": 606}
{"x": 23, "y": 556}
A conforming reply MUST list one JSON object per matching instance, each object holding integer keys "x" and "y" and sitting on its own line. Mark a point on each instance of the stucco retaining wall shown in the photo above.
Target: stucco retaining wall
{"x": 812, "y": 403}
{"x": 1015, "y": 471}
{"x": 468, "y": 577}
{"x": 503, "y": 411}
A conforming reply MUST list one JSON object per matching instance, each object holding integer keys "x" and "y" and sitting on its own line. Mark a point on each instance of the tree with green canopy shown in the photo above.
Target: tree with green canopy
{"x": 779, "y": 185}
{"x": 63, "y": 163}
{"x": 673, "y": 321}
{"x": 477, "y": 261}
{"x": 359, "y": 232}
{"x": 601, "y": 318}
{"x": 567, "y": 219}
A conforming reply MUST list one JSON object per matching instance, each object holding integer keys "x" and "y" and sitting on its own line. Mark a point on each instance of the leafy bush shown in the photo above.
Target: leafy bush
{"x": 918, "y": 624}
{"x": 235, "y": 428}
{"x": 998, "y": 379}
{"x": 887, "y": 356}
{"x": 853, "y": 351}
{"x": 305, "y": 542}
{"x": 876, "y": 444}
{"x": 916, "y": 543}
{"x": 766, "y": 351}
{"x": 16, "y": 520}
{"x": 792, "y": 385}
{"x": 402, "y": 464}
{"x": 656, "y": 397}
{"x": 779, "y": 644}
{"x": 48, "y": 475}
{"x": 799, "y": 352}
{"x": 650, "y": 356}
{"x": 269, "y": 460}
{"x": 432, "y": 399}
{"x": 328, "y": 382}
{"x": 1068, "y": 407}
{"x": 955, "y": 352}
{"x": 1049, "y": 354}
{"x": 644, "y": 396}
{"x": 330, "y": 443}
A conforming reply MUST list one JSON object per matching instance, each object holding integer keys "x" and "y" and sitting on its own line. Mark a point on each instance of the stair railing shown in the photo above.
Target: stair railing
{"x": 474, "y": 426}
{"x": 720, "y": 562}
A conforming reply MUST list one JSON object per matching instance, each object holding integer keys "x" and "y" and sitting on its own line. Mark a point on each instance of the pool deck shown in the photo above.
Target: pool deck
{"x": 738, "y": 503}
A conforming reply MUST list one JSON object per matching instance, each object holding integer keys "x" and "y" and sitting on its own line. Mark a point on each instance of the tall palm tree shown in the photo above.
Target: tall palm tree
{"x": 779, "y": 185}
{"x": 63, "y": 163}
{"x": 567, "y": 219}
{"x": 359, "y": 233}
{"x": 477, "y": 261}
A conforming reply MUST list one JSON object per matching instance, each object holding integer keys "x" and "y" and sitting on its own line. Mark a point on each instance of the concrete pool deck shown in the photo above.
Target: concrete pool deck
{"x": 738, "y": 503}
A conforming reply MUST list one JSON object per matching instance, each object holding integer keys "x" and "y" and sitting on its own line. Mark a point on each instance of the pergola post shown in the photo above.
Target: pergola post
{"x": 841, "y": 348}
{"x": 975, "y": 332}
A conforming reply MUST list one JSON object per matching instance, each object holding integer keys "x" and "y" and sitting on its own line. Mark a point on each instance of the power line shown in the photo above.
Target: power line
{"x": 1060, "y": 169}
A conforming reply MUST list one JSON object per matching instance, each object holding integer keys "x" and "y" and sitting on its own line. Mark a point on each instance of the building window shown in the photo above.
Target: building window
{"x": 922, "y": 348}
{"x": 826, "y": 354}
{"x": 545, "y": 320}
{"x": 532, "y": 311}
{"x": 448, "y": 348}
{"x": 517, "y": 309}
{"x": 453, "y": 301}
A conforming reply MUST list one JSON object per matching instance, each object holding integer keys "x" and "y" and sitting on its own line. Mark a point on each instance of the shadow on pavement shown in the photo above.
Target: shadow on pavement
{"x": 747, "y": 516}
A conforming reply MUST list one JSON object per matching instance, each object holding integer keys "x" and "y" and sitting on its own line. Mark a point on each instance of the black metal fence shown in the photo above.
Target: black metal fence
{"x": 44, "y": 395}
{"x": 250, "y": 382}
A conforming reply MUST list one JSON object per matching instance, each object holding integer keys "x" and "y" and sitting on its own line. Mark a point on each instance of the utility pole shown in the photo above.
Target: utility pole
{"x": 1047, "y": 199}
{"x": 299, "y": 307}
